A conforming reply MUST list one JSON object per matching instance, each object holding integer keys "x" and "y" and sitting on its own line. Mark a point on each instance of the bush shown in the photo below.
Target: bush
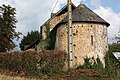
{"x": 19, "y": 62}
{"x": 115, "y": 47}
{"x": 110, "y": 60}
{"x": 110, "y": 70}
{"x": 91, "y": 63}
{"x": 52, "y": 62}
{"x": 29, "y": 62}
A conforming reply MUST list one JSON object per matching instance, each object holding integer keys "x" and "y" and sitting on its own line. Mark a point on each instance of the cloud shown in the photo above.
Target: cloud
{"x": 76, "y": 2}
{"x": 110, "y": 16}
{"x": 95, "y": 2}
{"x": 32, "y": 13}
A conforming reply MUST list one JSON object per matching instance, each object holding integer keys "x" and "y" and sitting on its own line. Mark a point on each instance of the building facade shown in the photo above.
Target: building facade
{"x": 89, "y": 34}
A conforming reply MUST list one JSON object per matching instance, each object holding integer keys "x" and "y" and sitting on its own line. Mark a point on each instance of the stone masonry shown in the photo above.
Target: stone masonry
{"x": 53, "y": 22}
{"x": 89, "y": 39}
{"x": 89, "y": 34}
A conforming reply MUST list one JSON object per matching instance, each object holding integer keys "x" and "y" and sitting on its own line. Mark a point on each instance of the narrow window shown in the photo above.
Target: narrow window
{"x": 41, "y": 28}
{"x": 104, "y": 30}
{"x": 92, "y": 40}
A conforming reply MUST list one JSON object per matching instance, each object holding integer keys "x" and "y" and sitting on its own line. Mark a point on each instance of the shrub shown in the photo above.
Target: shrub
{"x": 19, "y": 62}
{"x": 95, "y": 64}
{"x": 110, "y": 60}
{"x": 52, "y": 62}
{"x": 115, "y": 47}
{"x": 26, "y": 62}
{"x": 110, "y": 69}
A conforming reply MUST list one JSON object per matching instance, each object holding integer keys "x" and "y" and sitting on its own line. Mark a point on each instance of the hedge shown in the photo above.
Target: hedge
{"x": 32, "y": 63}
{"x": 52, "y": 62}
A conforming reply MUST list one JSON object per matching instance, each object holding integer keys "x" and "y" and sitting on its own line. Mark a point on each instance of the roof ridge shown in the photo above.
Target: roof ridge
{"x": 57, "y": 13}
{"x": 84, "y": 14}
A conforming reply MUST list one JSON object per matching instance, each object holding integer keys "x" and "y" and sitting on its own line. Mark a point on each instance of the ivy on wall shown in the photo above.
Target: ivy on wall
{"x": 52, "y": 39}
{"x": 47, "y": 25}
{"x": 49, "y": 42}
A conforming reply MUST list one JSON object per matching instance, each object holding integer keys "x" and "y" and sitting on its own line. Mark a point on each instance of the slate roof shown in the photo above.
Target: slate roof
{"x": 61, "y": 11}
{"x": 32, "y": 45}
{"x": 83, "y": 14}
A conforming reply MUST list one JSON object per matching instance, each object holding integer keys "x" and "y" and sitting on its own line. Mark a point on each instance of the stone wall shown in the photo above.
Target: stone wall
{"x": 83, "y": 35}
{"x": 53, "y": 22}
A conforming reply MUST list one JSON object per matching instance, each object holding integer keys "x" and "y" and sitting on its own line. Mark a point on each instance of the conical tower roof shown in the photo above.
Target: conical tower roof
{"x": 83, "y": 14}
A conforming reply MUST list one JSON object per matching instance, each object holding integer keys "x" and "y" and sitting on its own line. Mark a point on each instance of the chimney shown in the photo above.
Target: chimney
{"x": 52, "y": 14}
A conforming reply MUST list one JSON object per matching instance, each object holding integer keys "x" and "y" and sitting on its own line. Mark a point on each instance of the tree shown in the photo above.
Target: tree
{"x": 117, "y": 36}
{"x": 7, "y": 28}
{"x": 29, "y": 39}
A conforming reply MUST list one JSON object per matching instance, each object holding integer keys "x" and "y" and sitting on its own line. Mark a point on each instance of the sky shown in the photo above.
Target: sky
{"x": 31, "y": 14}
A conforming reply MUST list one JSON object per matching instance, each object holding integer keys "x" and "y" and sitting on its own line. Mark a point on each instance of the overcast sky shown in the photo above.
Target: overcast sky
{"x": 33, "y": 13}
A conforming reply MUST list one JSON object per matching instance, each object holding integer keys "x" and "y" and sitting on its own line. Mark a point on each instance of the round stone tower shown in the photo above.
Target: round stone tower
{"x": 89, "y": 35}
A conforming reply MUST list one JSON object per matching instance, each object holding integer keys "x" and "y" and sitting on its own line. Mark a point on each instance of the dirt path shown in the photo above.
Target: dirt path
{"x": 4, "y": 77}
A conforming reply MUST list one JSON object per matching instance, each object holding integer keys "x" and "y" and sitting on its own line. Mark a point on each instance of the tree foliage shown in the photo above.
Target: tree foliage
{"x": 112, "y": 69}
{"x": 29, "y": 39}
{"x": 7, "y": 28}
{"x": 117, "y": 36}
